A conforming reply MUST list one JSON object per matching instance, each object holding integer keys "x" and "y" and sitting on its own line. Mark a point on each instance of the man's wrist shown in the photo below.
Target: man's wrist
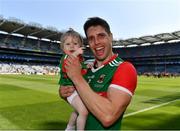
{"x": 77, "y": 79}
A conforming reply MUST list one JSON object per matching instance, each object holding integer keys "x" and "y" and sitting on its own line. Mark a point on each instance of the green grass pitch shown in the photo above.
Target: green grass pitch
{"x": 31, "y": 102}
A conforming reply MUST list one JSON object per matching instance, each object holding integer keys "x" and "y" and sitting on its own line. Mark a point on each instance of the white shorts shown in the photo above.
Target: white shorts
{"x": 71, "y": 97}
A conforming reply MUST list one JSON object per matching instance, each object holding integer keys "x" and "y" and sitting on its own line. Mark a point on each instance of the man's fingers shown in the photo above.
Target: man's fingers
{"x": 70, "y": 60}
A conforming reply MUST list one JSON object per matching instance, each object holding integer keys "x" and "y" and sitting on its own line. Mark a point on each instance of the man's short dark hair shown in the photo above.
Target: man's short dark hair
{"x": 95, "y": 21}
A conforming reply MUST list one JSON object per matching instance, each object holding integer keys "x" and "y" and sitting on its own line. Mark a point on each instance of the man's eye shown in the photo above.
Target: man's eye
{"x": 90, "y": 39}
{"x": 101, "y": 36}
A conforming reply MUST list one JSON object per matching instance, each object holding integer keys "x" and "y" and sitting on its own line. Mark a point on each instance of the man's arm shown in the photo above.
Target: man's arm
{"x": 107, "y": 110}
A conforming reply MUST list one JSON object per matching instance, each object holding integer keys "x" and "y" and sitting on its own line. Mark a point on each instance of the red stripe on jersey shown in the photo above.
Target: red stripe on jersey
{"x": 83, "y": 71}
{"x": 107, "y": 62}
{"x": 125, "y": 76}
{"x": 63, "y": 65}
{"x": 104, "y": 94}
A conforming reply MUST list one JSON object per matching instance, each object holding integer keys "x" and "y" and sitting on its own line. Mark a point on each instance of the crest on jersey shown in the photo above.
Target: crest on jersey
{"x": 101, "y": 78}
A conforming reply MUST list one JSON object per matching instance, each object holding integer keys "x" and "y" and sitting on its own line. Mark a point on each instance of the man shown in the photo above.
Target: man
{"x": 111, "y": 81}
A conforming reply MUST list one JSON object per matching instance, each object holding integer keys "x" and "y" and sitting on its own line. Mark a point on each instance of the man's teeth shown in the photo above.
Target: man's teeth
{"x": 99, "y": 48}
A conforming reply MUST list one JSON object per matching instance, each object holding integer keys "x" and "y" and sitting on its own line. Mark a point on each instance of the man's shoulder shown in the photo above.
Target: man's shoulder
{"x": 126, "y": 65}
{"x": 115, "y": 62}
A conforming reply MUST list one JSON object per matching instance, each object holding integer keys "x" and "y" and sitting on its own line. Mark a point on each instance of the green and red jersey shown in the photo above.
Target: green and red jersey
{"x": 64, "y": 80}
{"x": 113, "y": 74}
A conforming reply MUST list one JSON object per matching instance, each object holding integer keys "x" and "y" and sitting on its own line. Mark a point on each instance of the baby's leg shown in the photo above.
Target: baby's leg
{"x": 72, "y": 121}
{"x": 81, "y": 109}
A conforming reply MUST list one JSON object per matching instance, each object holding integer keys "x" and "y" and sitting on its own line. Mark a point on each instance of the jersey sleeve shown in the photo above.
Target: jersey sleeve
{"x": 125, "y": 78}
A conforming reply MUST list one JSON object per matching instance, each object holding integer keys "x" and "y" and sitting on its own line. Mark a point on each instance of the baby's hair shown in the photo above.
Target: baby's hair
{"x": 73, "y": 33}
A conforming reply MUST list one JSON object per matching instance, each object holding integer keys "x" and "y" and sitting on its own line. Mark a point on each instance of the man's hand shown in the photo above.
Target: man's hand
{"x": 65, "y": 91}
{"x": 78, "y": 51}
{"x": 73, "y": 67}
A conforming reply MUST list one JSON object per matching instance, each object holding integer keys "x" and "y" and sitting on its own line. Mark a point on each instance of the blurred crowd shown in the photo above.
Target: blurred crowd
{"x": 26, "y": 68}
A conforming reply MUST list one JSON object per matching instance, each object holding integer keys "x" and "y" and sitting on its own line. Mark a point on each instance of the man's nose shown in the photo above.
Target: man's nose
{"x": 96, "y": 41}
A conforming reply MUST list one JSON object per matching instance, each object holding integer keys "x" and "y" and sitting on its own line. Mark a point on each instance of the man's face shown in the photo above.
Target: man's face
{"x": 100, "y": 43}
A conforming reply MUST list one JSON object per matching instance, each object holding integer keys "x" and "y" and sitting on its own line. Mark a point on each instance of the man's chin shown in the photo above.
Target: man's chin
{"x": 100, "y": 58}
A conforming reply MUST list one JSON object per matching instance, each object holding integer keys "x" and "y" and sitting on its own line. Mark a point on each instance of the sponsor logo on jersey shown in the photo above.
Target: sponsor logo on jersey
{"x": 98, "y": 85}
{"x": 90, "y": 78}
{"x": 101, "y": 78}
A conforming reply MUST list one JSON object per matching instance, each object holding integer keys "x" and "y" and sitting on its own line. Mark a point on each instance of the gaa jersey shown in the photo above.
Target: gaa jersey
{"x": 111, "y": 74}
{"x": 64, "y": 80}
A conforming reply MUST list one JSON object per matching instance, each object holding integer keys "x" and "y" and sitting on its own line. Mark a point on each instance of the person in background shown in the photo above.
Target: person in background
{"x": 110, "y": 83}
{"x": 72, "y": 43}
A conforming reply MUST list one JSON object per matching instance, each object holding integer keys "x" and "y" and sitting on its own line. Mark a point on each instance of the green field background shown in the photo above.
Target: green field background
{"x": 31, "y": 102}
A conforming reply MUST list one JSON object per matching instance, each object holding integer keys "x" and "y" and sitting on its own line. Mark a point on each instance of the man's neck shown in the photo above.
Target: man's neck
{"x": 100, "y": 63}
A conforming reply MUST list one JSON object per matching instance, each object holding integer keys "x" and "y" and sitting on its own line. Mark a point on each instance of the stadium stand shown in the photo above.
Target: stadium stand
{"x": 33, "y": 49}
{"x": 161, "y": 58}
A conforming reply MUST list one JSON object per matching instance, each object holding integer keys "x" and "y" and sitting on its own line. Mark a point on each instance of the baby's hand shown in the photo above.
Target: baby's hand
{"x": 78, "y": 51}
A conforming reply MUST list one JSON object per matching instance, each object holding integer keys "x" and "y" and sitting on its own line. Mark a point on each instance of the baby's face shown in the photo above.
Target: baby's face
{"x": 71, "y": 44}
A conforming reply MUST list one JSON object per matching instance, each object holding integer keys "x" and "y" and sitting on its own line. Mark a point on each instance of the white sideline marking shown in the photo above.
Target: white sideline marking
{"x": 150, "y": 108}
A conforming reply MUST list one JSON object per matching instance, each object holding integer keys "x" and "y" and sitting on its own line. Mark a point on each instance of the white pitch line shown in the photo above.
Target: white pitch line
{"x": 150, "y": 108}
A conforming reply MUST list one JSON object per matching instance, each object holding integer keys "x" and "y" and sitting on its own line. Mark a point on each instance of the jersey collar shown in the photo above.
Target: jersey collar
{"x": 105, "y": 63}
